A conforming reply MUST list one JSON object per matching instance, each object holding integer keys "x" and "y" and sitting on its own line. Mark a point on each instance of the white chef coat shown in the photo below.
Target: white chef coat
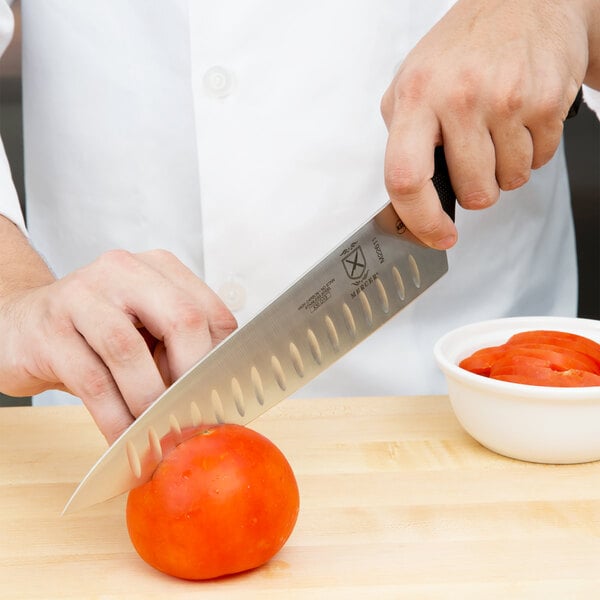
{"x": 592, "y": 98}
{"x": 246, "y": 138}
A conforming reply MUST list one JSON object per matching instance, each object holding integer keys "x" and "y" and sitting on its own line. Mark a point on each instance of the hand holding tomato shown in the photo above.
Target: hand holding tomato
{"x": 221, "y": 502}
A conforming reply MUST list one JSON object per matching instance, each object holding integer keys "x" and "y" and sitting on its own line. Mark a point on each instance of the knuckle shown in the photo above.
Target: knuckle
{"x": 508, "y": 104}
{"x": 475, "y": 199}
{"x": 550, "y": 107}
{"x": 106, "y": 265}
{"x": 464, "y": 97}
{"x": 96, "y": 382}
{"x": 408, "y": 89}
{"x": 402, "y": 180}
{"x": 116, "y": 256}
{"x": 190, "y": 317}
{"x": 220, "y": 322}
{"x": 160, "y": 255}
{"x": 122, "y": 344}
{"x": 514, "y": 180}
{"x": 223, "y": 325}
{"x": 62, "y": 327}
{"x": 412, "y": 84}
{"x": 429, "y": 229}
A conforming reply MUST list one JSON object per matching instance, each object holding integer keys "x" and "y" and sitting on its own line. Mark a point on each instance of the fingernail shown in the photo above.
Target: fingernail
{"x": 445, "y": 243}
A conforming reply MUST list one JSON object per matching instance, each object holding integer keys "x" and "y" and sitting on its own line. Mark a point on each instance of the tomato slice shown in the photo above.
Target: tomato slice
{"x": 481, "y": 361}
{"x": 537, "y": 371}
{"x": 540, "y": 357}
{"x": 559, "y": 359}
{"x": 562, "y": 339}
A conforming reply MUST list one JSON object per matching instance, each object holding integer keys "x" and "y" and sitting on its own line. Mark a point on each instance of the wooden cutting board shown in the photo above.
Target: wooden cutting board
{"x": 396, "y": 502}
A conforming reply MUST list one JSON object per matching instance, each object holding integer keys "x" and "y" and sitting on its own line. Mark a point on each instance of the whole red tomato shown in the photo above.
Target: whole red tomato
{"x": 223, "y": 501}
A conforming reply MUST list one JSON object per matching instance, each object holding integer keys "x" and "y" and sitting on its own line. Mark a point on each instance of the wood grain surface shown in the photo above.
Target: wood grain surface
{"x": 396, "y": 502}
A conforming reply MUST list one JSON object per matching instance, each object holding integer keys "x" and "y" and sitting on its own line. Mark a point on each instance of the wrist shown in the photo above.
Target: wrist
{"x": 21, "y": 267}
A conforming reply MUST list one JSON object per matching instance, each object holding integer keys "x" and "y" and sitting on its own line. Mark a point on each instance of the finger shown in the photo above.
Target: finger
{"x": 136, "y": 294}
{"x": 119, "y": 345}
{"x": 162, "y": 362}
{"x": 544, "y": 118}
{"x": 471, "y": 163}
{"x": 84, "y": 375}
{"x": 221, "y": 321}
{"x": 159, "y": 354}
{"x": 546, "y": 137}
{"x": 196, "y": 320}
{"x": 513, "y": 147}
{"x": 408, "y": 168}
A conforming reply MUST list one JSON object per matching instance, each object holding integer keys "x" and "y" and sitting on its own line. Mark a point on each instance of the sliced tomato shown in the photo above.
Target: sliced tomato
{"x": 481, "y": 361}
{"x": 537, "y": 371}
{"x": 540, "y": 357}
{"x": 562, "y": 339}
{"x": 559, "y": 359}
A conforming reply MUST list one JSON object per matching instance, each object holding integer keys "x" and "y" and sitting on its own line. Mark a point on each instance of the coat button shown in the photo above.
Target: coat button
{"x": 233, "y": 295}
{"x": 218, "y": 82}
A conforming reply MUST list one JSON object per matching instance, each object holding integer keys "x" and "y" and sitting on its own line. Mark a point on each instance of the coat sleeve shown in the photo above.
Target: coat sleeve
{"x": 9, "y": 201}
{"x": 592, "y": 99}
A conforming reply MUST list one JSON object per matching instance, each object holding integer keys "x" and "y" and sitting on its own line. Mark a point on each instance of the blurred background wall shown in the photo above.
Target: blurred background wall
{"x": 582, "y": 140}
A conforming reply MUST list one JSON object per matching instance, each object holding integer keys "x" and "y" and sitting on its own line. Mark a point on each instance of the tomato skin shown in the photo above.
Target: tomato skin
{"x": 223, "y": 501}
{"x": 556, "y": 357}
{"x": 562, "y": 339}
{"x": 546, "y": 358}
{"x": 481, "y": 361}
{"x": 537, "y": 371}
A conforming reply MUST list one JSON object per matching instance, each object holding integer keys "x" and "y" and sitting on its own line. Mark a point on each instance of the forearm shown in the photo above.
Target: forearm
{"x": 21, "y": 267}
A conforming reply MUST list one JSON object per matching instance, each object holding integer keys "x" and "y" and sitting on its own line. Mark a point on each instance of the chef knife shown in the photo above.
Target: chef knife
{"x": 360, "y": 285}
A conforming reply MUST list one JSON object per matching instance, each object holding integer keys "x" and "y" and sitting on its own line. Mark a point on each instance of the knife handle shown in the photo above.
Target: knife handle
{"x": 441, "y": 177}
{"x": 576, "y": 104}
{"x": 441, "y": 182}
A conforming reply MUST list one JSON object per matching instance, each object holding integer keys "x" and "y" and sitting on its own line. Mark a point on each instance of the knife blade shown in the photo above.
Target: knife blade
{"x": 360, "y": 285}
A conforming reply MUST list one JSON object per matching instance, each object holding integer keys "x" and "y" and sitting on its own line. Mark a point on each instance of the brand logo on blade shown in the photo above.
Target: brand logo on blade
{"x": 355, "y": 263}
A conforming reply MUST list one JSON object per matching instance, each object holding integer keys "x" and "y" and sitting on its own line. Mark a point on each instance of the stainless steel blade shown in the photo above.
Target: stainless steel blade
{"x": 354, "y": 290}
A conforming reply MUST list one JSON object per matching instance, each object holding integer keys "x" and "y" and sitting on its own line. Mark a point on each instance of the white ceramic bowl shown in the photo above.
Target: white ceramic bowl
{"x": 533, "y": 423}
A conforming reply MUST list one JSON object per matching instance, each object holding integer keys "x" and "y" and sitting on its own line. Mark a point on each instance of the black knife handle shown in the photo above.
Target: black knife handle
{"x": 441, "y": 177}
{"x": 576, "y": 104}
{"x": 441, "y": 182}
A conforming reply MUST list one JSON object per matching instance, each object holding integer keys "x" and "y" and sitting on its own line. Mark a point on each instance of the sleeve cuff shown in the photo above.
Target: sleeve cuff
{"x": 592, "y": 99}
{"x": 9, "y": 200}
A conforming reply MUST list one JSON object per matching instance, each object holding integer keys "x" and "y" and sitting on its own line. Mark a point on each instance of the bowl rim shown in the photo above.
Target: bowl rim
{"x": 502, "y": 327}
